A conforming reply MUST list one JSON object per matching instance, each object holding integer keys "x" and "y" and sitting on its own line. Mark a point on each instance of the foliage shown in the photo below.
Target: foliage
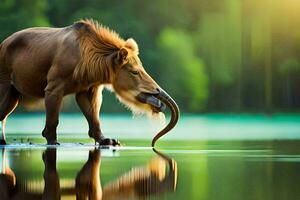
{"x": 181, "y": 70}
{"x": 19, "y": 14}
{"x": 229, "y": 55}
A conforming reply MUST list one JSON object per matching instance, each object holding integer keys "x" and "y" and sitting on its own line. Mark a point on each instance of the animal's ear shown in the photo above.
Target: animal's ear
{"x": 122, "y": 55}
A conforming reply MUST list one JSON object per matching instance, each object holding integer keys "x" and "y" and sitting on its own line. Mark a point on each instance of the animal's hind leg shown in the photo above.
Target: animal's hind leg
{"x": 9, "y": 98}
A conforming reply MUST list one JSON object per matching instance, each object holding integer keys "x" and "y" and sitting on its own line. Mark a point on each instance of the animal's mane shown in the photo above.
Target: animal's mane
{"x": 98, "y": 46}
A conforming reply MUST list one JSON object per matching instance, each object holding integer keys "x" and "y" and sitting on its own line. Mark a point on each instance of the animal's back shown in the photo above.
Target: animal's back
{"x": 26, "y": 57}
{"x": 39, "y": 40}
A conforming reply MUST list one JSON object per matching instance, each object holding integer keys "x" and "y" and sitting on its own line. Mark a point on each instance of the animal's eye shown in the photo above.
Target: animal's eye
{"x": 135, "y": 72}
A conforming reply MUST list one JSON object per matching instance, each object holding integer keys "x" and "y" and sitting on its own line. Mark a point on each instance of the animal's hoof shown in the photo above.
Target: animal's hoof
{"x": 52, "y": 143}
{"x": 109, "y": 142}
{"x": 2, "y": 142}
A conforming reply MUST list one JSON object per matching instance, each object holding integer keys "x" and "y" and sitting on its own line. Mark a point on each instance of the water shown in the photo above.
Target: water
{"x": 224, "y": 167}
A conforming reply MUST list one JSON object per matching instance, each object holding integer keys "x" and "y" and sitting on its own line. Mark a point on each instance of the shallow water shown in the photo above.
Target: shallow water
{"x": 203, "y": 170}
{"x": 208, "y": 157}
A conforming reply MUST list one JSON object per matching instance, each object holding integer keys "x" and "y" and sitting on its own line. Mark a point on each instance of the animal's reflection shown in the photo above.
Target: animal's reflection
{"x": 138, "y": 183}
{"x": 7, "y": 177}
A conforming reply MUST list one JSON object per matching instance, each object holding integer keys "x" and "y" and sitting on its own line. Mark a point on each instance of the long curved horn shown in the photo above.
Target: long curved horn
{"x": 165, "y": 98}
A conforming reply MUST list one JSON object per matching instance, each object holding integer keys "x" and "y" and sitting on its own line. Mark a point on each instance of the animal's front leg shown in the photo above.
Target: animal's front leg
{"x": 90, "y": 103}
{"x": 52, "y": 103}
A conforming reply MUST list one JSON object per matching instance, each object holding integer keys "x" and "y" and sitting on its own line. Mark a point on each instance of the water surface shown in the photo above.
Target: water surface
{"x": 203, "y": 170}
{"x": 205, "y": 157}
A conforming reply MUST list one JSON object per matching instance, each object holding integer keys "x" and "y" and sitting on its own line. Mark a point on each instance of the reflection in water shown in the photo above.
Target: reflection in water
{"x": 7, "y": 177}
{"x": 144, "y": 181}
{"x": 138, "y": 183}
{"x": 51, "y": 178}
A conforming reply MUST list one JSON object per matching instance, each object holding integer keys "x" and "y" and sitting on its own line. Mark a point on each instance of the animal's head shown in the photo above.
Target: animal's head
{"x": 133, "y": 85}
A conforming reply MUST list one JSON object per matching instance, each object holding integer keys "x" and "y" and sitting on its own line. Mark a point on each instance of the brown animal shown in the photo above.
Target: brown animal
{"x": 79, "y": 59}
{"x": 158, "y": 176}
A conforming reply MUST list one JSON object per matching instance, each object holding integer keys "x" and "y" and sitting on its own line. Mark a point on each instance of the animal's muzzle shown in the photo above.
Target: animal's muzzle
{"x": 152, "y": 99}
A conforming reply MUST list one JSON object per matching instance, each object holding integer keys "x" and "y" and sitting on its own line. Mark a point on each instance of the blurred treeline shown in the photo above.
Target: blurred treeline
{"x": 211, "y": 56}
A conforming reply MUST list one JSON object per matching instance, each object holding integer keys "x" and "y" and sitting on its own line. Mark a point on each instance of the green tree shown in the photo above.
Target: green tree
{"x": 19, "y": 14}
{"x": 182, "y": 71}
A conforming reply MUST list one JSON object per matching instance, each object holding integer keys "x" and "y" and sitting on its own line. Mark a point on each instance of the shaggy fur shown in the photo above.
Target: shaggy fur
{"x": 98, "y": 46}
